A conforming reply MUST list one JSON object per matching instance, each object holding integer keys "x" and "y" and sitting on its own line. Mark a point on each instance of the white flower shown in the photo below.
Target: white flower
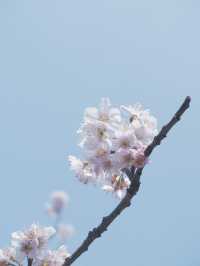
{"x": 76, "y": 164}
{"x": 125, "y": 157}
{"x": 93, "y": 135}
{"x": 65, "y": 231}
{"x": 124, "y": 138}
{"x": 33, "y": 241}
{"x": 59, "y": 200}
{"x": 94, "y": 129}
{"x": 53, "y": 257}
{"x": 103, "y": 161}
{"x": 82, "y": 169}
{"x": 144, "y": 124}
{"x": 106, "y": 113}
{"x": 118, "y": 185}
{"x": 7, "y": 256}
{"x": 131, "y": 157}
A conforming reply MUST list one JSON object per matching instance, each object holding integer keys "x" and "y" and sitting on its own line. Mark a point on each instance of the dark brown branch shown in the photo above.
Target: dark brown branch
{"x": 131, "y": 192}
{"x": 165, "y": 129}
{"x": 30, "y": 262}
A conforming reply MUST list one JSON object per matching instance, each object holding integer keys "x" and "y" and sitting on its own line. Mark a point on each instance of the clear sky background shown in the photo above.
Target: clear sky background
{"x": 58, "y": 57}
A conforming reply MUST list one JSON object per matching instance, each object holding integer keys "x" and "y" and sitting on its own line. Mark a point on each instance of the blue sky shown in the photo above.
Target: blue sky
{"x": 58, "y": 57}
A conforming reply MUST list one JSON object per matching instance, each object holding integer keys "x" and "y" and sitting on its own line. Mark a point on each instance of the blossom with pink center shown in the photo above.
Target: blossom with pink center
{"x": 139, "y": 159}
{"x": 32, "y": 242}
{"x": 118, "y": 186}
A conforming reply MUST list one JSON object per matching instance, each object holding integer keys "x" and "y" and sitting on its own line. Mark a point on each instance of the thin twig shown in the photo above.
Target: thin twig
{"x": 30, "y": 262}
{"x": 131, "y": 192}
{"x": 165, "y": 129}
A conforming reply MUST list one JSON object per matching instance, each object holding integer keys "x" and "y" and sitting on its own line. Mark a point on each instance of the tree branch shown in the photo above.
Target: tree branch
{"x": 132, "y": 190}
{"x": 30, "y": 262}
{"x": 165, "y": 129}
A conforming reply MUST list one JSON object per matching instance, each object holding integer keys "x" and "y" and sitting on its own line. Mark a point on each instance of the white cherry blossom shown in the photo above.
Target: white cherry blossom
{"x": 53, "y": 257}
{"x": 124, "y": 138}
{"x": 32, "y": 242}
{"x": 82, "y": 169}
{"x": 106, "y": 113}
{"x": 117, "y": 186}
{"x": 7, "y": 256}
{"x": 145, "y": 125}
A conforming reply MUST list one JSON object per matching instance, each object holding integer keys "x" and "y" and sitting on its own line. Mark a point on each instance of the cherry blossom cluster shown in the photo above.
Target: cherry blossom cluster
{"x": 113, "y": 139}
{"x": 32, "y": 245}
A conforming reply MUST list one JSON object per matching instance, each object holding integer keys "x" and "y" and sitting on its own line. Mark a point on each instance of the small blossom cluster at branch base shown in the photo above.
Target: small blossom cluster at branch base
{"x": 113, "y": 139}
{"x": 32, "y": 244}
